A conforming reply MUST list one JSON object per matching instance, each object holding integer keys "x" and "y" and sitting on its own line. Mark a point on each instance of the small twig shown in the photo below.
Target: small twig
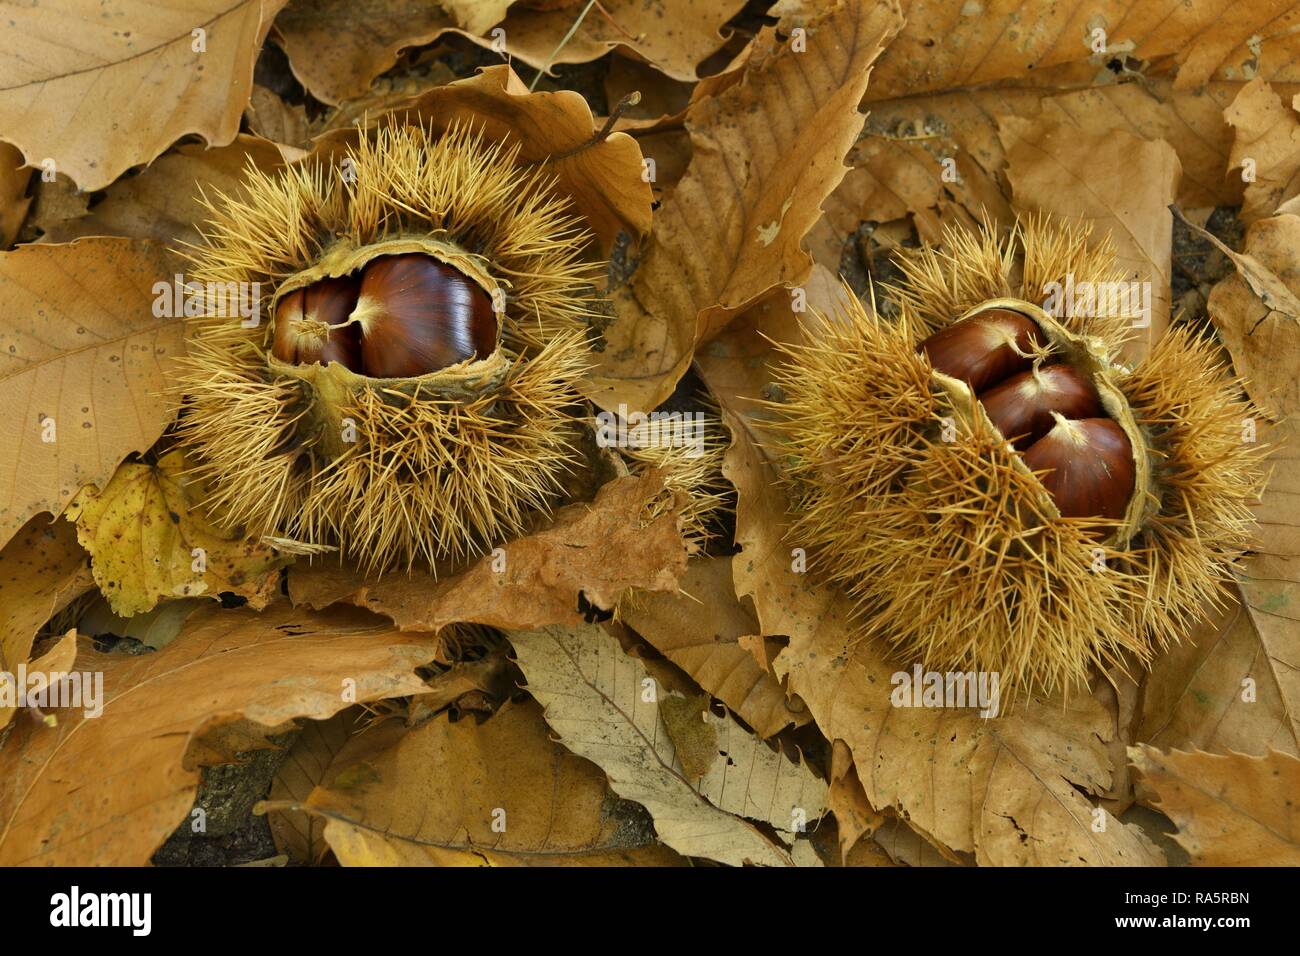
{"x": 565, "y": 39}
{"x": 626, "y": 103}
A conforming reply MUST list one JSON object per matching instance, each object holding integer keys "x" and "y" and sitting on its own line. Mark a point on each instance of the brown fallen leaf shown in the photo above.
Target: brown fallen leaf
{"x": 500, "y": 793}
{"x": 164, "y": 201}
{"x": 855, "y": 817}
{"x": 601, "y": 171}
{"x": 699, "y": 630}
{"x": 139, "y": 77}
{"x": 475, "y": 16}
{"x": 337, "y": 47}
{"x": 536, "y": 580}
{"x": 1257, "y": 312}
{"x": 907, "y": 847}
{"x": 84, "y": 364}
{"x": 14, "y": 200}
{"x": 1231, "y": 810}
{"x": 1222, "y": 690}
{"x": 947, "y": 47}
{"x": 1121, "y": 184}
{"x": 1234, "y": 684}
{"x": 271, "y": 118}
{"x": 889, "y": 179}
{"x": 42, "y": 570}
{"x": 605, "y": 708}
{"x": 1265, "y": 147}
{"x": 311, "y": 761}
{"x": 107, "y": 789}
{"x": 155, "y": 629}
{"x": 731, "y": 230}
{"x": 675, "y": 36}
{"x": 150, "y": 539}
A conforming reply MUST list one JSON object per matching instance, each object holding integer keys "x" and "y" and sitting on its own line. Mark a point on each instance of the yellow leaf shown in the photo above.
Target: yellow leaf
{"x": 149, "y": 539}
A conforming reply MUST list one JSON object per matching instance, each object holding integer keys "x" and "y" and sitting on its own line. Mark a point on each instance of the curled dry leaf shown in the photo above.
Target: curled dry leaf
{"x": 699, "y": 629}
{"x": 605, "y": 708}
{"x": 855, "y": 817}
{"x": 42, "y": 569}
{"x": 271, "y": 118}
{"x": 602, "y": 173}
{"x": 499, "y": 793}
{"x": 83, "y": 360}
{"x": 1257, "y": 312}
{"x": 108, "y": 789}
{"x": 194, "y": 58}
{"x": 164, "y": 201}
{"x": 676, "y": 36}
{"x": 311, "y": 761}
{"x": 536, "y": 580}
{"x": 1121, "y": 184}
{"x": 1232, "y": 809}
{"x": 337, "y": 47}
{"x": 150, "y": 539}
{"x": 944, "y": 47}
{"x": 954, "y": 70}
{"x": 723, "y": 239}
{"x": 1265, "y": 147}
{"x": 14, "y": 200}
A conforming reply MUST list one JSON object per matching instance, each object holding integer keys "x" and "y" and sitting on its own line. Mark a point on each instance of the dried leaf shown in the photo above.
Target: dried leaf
{"x": 311, "y": 761}
{"x": 42, "y": 569}
{"x": 676, "y": 36}
{"x": 107, "y": 790}
{"x": 533, "y": 581}
{"x": 475, "y": 16}
{"x": 1231, "y": 810}
{"x": 138, "y": 77}
{"x": 14, "y": 200}
{"x": 500, "y": 793}
{"x": 1267, "y": 141}
{"x": 602, "y": 173}
{"x": 164, "y": 201}
{"x": 1257, "y": 312}
{"x": 596, "y": 700}
{"x": 149, "y": 539}
{"x": 273, "y": 119}
{"x": 731, "y": 231}
{"x": 84, "y": 364}
{"x": 156, "y": 628}
{"x": 337, "y": 47}
{"x": 1121, "y": 184}
{"x": 699, "y": 630}
{"x": 1234, "y": 683}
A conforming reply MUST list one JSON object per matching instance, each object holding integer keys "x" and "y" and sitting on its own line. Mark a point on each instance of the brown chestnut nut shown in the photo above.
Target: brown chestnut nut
{"x": 1089, "y": 467}
{"x": 1021, "y": 406}
{"x": 986, "y": 348}
{"x": 299, "y": 315}
{"x": 418, "y": 315}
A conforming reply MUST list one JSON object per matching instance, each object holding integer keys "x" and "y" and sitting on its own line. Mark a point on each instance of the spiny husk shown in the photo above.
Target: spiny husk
{"x": 698, "y": 476}
{"x": 440, "y": 466}
{"x": 945, "y": 547}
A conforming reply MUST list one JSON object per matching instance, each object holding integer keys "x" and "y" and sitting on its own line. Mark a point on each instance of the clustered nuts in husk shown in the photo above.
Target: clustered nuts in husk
{"x": 413, "y": 397}
{"x": 993, "y": 488}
